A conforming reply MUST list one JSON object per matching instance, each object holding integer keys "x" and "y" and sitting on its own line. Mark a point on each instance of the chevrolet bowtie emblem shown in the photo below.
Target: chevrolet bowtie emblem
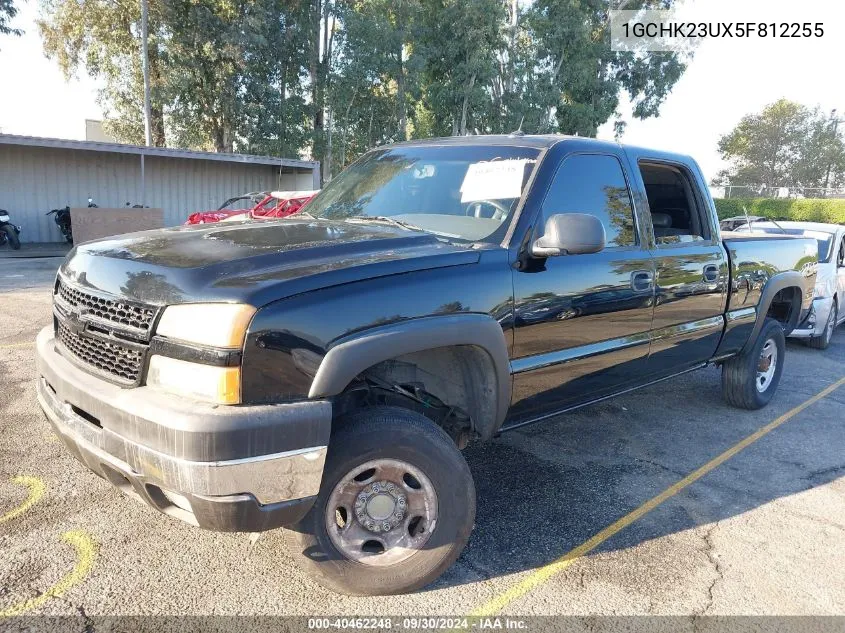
{"x": 74, "y": 320}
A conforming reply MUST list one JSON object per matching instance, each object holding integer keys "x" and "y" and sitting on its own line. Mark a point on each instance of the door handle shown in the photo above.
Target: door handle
{"x": 642, "y": 280}
{"x": 711, "y": 272}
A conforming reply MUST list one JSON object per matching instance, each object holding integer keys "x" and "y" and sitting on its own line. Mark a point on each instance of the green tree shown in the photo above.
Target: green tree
{"x": 787, "y": 144}
{"x": 101, "y": 37}
{"x": 8, "y": 11}
{"x": 459, "y": 41}
{"x": 330, "y": 79}
{"x": 821, "y": 160}
{"x": 581, "y": 78}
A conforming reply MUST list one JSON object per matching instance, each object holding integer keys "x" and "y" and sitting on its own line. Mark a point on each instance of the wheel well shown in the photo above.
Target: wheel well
{"x": 461, "y": 379}
{"x": 786, "y": 308}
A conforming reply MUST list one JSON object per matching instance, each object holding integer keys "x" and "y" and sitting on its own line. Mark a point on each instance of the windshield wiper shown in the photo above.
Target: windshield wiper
{"x": 385, "y": 220}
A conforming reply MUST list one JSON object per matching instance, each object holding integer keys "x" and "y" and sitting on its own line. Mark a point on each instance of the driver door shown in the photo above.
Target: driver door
{"x": 582, "y": 322}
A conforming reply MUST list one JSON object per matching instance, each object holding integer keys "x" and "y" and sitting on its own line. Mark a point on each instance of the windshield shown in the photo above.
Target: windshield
{"x": 463, "y": 192}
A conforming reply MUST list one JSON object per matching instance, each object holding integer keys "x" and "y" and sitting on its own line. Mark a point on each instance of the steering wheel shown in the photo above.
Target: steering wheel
{"x": 500, "y": 212}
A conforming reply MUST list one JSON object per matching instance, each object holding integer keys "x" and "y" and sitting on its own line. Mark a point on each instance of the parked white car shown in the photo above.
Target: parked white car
{"x": 828, "y": 310}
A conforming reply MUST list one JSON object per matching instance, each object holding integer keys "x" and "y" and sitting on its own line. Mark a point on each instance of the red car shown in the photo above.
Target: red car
{"x": 275, "y": 204}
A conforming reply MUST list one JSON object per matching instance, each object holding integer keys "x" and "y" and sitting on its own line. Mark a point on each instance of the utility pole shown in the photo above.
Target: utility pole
{"x": 145, "y": 63}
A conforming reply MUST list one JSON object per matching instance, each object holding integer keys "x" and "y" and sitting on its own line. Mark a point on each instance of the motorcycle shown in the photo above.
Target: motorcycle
{"x": 62, "y": 219}
{"x": 9, "y": 233}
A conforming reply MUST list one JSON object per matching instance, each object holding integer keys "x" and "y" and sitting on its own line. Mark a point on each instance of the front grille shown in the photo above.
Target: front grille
{"x": 104, "y": 335}
{"x": 122, "y": 363}
{"x": 115, "y": 311}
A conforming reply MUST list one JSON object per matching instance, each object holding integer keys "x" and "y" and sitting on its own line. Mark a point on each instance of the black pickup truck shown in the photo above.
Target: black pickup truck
{"x": 322, "y": 372}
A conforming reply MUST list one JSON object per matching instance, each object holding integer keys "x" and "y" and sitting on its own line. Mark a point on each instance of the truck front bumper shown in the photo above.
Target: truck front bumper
{"x": 816, "y": 319}
{"x": 226, "y": 468}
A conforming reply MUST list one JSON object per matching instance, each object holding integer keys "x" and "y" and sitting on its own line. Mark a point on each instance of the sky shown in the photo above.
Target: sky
{"x": 725, "y": 80}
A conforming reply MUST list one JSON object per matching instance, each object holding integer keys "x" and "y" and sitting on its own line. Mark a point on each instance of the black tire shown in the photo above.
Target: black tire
{"x": 739, "y": 374}
{"x": 390, "y": 433}
{"x": 823, "y": 340}
{"x": 12, "y": 237}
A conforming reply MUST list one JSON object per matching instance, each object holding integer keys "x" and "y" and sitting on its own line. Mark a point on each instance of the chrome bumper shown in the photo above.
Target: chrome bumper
{"x": 814, "y": 323}
{"x": 256, "y": 486}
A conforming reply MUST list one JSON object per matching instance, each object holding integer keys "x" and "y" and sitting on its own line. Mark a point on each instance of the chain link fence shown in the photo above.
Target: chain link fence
{"x": 763, "y": 191}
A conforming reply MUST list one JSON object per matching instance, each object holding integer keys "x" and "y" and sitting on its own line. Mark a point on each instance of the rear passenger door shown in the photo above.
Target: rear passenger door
{"x": 582, "y": 322}
{"x": 691, "y": 268}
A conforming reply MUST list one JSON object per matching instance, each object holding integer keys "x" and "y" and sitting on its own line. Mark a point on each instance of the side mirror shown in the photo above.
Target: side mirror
{"x": 570, "y": 234}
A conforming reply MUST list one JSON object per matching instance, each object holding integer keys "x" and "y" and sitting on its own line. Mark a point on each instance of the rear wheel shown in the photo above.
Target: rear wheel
{"x": 823, "y": 340}
{"x": 395, "y": 509}
{"x": 749, "y": 380}
{"x": 12, "y": 237}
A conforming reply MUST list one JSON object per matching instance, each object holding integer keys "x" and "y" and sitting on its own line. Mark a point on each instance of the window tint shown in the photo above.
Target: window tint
{"x": 674, "y": 213}
{"x": 594, "y": 184}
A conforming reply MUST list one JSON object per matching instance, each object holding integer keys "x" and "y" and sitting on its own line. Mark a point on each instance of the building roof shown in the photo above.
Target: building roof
{"x": 163, "y": 152}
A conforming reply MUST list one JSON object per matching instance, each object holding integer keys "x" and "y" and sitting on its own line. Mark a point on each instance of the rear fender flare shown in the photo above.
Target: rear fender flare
{"x": 348, "y": 357}
{"x": 774, "y": 285}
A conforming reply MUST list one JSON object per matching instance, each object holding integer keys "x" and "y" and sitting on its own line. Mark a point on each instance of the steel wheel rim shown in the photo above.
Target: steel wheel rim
{"x": 381, "y": 512}
{"x": 766, "y": 365}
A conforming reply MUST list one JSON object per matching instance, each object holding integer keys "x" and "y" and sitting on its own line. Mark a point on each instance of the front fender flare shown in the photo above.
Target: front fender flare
{"x": 349, "y": 356}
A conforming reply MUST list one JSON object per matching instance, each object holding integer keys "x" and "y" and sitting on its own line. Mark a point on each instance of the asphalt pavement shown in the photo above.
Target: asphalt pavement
{"x": 761, "y": 532}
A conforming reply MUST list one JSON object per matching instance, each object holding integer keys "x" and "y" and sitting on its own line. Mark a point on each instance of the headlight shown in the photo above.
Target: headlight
{"x": 221, "y": 385}
{"x": 212, "y": 324}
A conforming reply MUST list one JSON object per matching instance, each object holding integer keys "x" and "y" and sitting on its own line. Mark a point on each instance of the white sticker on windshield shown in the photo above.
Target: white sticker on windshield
{"x": 494, "y": 180}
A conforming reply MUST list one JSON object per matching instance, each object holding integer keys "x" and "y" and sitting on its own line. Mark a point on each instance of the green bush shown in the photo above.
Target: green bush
{"x": 807, "y": 209}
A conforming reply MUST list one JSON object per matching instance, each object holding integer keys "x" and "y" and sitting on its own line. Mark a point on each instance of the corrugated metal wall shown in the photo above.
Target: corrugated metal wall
{"x": 34, "y": 180}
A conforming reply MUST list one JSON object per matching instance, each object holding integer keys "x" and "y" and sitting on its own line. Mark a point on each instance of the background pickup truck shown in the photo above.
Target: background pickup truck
{"x": 322, "y": 372}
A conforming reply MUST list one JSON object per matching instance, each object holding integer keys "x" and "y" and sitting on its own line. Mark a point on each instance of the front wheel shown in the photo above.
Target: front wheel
{"x": 750, "y": 379}
{"x": 12, "y": 237}
{"x": 395, "y": 509}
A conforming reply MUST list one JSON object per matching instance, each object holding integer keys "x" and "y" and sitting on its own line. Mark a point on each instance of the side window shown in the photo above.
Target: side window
{"x": 594, "y": 184}
{"x": 675, "y": 213}
{"x": 841, "y": 261}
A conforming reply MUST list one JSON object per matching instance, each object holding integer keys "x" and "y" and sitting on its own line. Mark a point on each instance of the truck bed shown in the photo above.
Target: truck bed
{"x": 754, "y": 258}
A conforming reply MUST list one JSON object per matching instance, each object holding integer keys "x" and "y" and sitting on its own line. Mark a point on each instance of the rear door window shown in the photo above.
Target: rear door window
{"x": 676, "y": 214}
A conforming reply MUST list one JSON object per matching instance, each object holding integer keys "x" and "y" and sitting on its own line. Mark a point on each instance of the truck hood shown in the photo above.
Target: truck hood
{"x": 254, "y": 262}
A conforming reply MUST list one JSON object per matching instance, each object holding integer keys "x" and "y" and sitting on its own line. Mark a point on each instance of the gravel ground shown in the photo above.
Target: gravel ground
{"x": 762, "y": 534}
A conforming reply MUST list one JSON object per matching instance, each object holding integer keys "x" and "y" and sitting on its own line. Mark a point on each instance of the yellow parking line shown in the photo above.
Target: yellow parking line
{"x": 36, "y": 491}
{"x": 17, "y": 345}
{"x": 542, "y": 574}
{"x": 86, "y": 550}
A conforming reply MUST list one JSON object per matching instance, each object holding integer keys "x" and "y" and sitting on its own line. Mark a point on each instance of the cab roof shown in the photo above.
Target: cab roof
{"x": 543, "y": 141}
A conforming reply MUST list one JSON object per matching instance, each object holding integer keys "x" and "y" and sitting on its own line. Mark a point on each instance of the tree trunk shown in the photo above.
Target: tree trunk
{"x": 219, "y": 140}
{"x": 283, "y": 90}
{"x": 465, "y": 106}
{"x": 327, "y": 163}
{"x": 509, "y": 75}
{"x": 400, "y": 97}
{"x": 156, "y": 109}
{"x": 346, "y": 129}
{"x": 314, "y": 76}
